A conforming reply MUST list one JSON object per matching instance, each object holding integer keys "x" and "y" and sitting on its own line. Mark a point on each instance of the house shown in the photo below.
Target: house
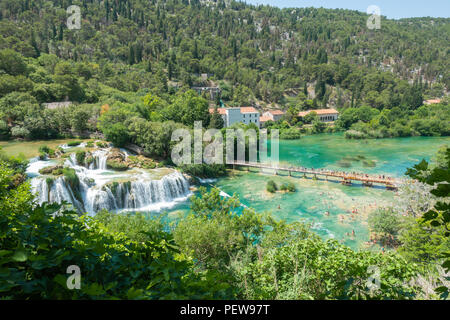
{"x": 432, "y": 101}
{"x": 274, "y": 115}
{"x": 263, "y": 119}
{"x": 325, "y": 115}
{"x": 244, "y": 115}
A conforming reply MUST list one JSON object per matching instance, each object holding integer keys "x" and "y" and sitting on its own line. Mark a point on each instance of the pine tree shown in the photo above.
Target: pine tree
{"x": 131, "y": 57}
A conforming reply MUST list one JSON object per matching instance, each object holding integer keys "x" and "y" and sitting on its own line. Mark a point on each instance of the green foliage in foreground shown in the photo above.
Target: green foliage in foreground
{"x": 220, "y": 250}
{"x": 38, "y": 244}
{"x": 269, "y": 259}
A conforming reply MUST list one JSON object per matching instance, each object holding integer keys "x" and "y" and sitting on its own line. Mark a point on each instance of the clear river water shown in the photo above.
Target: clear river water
{"x": 314, "y": 199}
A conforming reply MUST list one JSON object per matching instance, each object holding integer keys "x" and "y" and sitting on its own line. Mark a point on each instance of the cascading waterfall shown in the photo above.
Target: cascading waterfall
{"x": 100, "y": 188}
{"x": 139, "y": 194}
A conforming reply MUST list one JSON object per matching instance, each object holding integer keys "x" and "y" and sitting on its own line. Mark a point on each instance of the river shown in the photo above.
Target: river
{"x": 334, "y": 210}
{"x": 314, "y": 198}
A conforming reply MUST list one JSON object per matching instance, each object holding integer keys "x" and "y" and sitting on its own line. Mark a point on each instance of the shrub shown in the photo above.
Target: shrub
{"x": 45, "y": 151}
{"x": 80, "y": 156}
{"x": 72, "y": 179}
{"x": 73, "y": 143}
{"x": 291, "y": 187}
{"x": 101, "y": 144}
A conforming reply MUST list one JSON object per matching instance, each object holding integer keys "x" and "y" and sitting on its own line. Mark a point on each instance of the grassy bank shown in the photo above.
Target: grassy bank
{"x": 30, "y": 149}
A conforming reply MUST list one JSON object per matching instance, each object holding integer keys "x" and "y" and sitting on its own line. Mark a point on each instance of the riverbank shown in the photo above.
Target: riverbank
{"x": 30, "y": 149}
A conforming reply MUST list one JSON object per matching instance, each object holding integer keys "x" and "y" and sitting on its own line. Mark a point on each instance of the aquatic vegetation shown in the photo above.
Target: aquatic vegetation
{"x": 289, "y": 187}
{"x": 271, "y": 186}
{"x": 369, "y": 163}
{"x": 80, "y": 155}
{"x": 45, "y": 151}
{"x": 101, "y": 144}
{"x": 344, "y": 164}
{"x": 116, "y": 165}
{"x": 73, "y": 143}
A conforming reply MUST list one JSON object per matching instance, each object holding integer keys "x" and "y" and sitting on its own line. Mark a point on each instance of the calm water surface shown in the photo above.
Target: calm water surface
{"x": 314, "y": 198}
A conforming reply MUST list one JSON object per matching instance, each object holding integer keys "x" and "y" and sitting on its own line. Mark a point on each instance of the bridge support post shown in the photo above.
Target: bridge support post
{"x": 289, "y": 173}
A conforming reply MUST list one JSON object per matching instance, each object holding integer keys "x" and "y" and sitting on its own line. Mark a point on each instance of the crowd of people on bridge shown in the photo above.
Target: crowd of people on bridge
{"x": 346, "y": 175}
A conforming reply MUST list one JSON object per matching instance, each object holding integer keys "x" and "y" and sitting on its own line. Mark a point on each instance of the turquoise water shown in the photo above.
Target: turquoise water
{"x": 314, "y": 198}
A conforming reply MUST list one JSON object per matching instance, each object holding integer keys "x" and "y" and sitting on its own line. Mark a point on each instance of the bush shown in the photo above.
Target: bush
{"x": 205, "y": 170}
{"x": 290, "y": 134}
{"x": 72, "y": 179}
{"x": 73, "y": 143}
{"x": 271, "y": 186}
{"x": 117, "y": 134}
{"x": 101, "y": 144}
{"x": 290, "y": 187}
{"x": 80, "y": 156}
{"x": 353, "y": 134}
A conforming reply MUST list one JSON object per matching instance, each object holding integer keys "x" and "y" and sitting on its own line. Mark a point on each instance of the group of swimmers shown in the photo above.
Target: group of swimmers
{"x": 342, "y": 174}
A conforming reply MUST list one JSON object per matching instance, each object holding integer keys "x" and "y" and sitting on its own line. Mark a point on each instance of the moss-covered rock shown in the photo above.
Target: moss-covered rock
{"x": 80, "y": 155}
{"x": 53, "y": 170}
{"x": 116, "y": 160}
{"x": 141, "y": 162}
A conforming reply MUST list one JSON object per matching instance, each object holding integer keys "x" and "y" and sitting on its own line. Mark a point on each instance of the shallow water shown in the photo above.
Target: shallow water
{"x": 314, "y": 198}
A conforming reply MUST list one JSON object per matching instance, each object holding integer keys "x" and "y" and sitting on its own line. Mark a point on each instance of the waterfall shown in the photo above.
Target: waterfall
{"x": 100, "y": 188}
{"x": 139, "y": 194}
{"x": 98, "y": 160}
{"x": 54, "y": 190}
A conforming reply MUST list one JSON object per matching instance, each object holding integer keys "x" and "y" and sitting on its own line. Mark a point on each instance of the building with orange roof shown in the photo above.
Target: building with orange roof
{"x": 274, "y": 115}
{"x": 263, "y": 119}
{"x": 325, "y": 115}
{"x": 244, "y": 115}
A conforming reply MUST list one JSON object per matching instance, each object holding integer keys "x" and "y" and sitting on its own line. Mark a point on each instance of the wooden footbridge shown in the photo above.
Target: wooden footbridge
{"x": 345, "y": 178}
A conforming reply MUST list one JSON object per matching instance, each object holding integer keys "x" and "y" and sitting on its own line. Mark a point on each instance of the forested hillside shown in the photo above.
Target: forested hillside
{"x": 261, "y": 53}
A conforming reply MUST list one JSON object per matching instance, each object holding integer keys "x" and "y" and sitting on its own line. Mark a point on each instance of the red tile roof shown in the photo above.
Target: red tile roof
{"x": 264, "y": 119}
{"x": 220, "y": 110}
{"x": 276, "y": 112}
{"x": 432, "y": 101}
{"x": 248, "y": 110}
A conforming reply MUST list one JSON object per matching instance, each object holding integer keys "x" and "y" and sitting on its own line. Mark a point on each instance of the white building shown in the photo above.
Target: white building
{"x": 245, "y": 115}
{"x": 324, "y": 115}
